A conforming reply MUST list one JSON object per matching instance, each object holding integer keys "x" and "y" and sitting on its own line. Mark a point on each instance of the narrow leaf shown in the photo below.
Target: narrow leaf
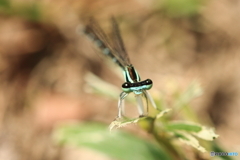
{"x": 206, "y": 134}
{"x": 183, "y": 126}
{"x": 189, "y": 140}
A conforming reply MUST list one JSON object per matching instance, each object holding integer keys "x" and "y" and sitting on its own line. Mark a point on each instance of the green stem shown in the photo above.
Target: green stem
{"x": 164, "y": 141}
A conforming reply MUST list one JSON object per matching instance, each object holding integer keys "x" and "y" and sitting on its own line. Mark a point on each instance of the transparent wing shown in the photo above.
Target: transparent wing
{"x": 118, "y": 43}
{"x": 94, "y": 31}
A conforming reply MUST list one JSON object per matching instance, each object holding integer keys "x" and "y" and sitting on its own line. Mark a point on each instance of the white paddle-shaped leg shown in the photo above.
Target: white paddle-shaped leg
{"x": 140, "y": 105}
{"x": 121, "y": 104}
{"x": 151, "y": 99}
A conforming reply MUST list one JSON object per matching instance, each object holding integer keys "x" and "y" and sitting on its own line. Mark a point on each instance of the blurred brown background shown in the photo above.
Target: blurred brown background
{"x": 44, "y": 61}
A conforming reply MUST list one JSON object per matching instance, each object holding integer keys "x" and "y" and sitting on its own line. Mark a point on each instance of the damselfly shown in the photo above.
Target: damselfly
{"x": 116, "y": 51}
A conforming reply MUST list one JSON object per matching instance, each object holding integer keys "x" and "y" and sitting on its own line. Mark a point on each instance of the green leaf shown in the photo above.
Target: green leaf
{"x": 189, "y": 140}
{"x": 118, "y": 145}
{"x": 206, "y": 134}
{"x": 197, "y": 130}
{"x": 183, "y": 126}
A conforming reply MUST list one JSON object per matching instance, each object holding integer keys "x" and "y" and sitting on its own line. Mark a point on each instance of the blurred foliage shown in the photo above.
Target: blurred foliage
{"x": 4, "y": 4}
{"x": 30, "y": 11}
{"x": 116, "y": 144}
{"x": 181, "y": 8}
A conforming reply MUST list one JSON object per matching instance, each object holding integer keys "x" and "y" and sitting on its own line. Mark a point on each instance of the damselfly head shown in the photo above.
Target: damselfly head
{"x": 137, "y": 87}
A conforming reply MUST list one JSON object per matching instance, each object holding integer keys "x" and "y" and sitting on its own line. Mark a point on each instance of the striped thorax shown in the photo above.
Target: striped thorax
{"x": 133, "y": 82}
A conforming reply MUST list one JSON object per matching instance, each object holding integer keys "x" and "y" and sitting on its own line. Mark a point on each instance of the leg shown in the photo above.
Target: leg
{"x": 121, "y": 104}
{"x": 140, "y": 105}
{"x": 150, "y": 98}
{"x": 146, "y": 99}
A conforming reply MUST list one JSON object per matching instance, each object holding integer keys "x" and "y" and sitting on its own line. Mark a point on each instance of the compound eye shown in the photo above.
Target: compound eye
{"x": 148, "y": 81}
{"x": 126, "y": 85}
